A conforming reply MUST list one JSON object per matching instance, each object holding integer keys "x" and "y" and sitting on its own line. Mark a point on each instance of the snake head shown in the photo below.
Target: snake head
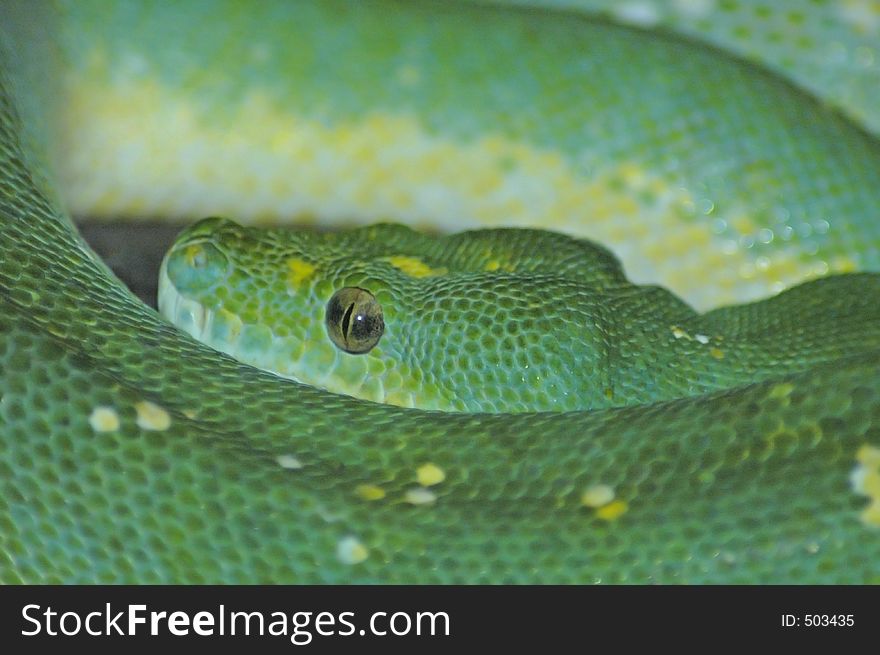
{"x": 478, "y": 321}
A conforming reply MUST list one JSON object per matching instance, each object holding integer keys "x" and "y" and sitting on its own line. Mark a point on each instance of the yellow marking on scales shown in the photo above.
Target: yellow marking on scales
{"x": 385, "y": 165}
{"x": 104, "y": 419}
{"x": 781, "y": 391}
{"x": 370, "y": 492}
{"x": 194, "y": 255}
{"x": 493, "y": 265}
{"x": 413, "y": 266}
{"x": 601, "y": 499}
{"x": 842, "y": 264}
{"x": 151, "y": 416}
{"x": 430, "y": 474}
{"x": 299, "y": 271}
{"x": 612, "y": 511}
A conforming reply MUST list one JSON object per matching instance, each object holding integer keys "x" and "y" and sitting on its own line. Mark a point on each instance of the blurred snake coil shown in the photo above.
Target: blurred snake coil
{"x": 725, "y": 149}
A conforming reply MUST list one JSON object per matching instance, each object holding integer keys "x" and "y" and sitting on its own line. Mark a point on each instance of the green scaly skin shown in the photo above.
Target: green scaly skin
{"x": 553, "y": 325}
{"x": 131, "y": 453}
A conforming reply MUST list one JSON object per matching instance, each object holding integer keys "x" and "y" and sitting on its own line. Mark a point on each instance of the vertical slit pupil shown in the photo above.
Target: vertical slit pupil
{"x": 346, "y": 321}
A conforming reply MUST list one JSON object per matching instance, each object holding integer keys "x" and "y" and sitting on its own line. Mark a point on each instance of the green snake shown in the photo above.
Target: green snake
{"x": 130, "y": 452}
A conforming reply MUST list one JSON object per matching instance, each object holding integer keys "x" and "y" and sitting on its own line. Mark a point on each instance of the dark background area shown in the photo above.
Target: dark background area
{"x": 134, "y": 251}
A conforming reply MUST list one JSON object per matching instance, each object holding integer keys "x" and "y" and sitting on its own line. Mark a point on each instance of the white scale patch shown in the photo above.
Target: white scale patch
{"x": 420, "y": 496}
{"x": 351, "y": 551}
{"x": 288, "y": 462}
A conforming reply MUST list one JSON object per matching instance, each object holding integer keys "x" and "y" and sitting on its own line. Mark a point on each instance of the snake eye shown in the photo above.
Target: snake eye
{"x": 354, "y": 320}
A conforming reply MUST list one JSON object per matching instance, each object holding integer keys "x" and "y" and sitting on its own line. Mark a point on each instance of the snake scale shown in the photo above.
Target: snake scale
{"x": 129, "y": 452}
